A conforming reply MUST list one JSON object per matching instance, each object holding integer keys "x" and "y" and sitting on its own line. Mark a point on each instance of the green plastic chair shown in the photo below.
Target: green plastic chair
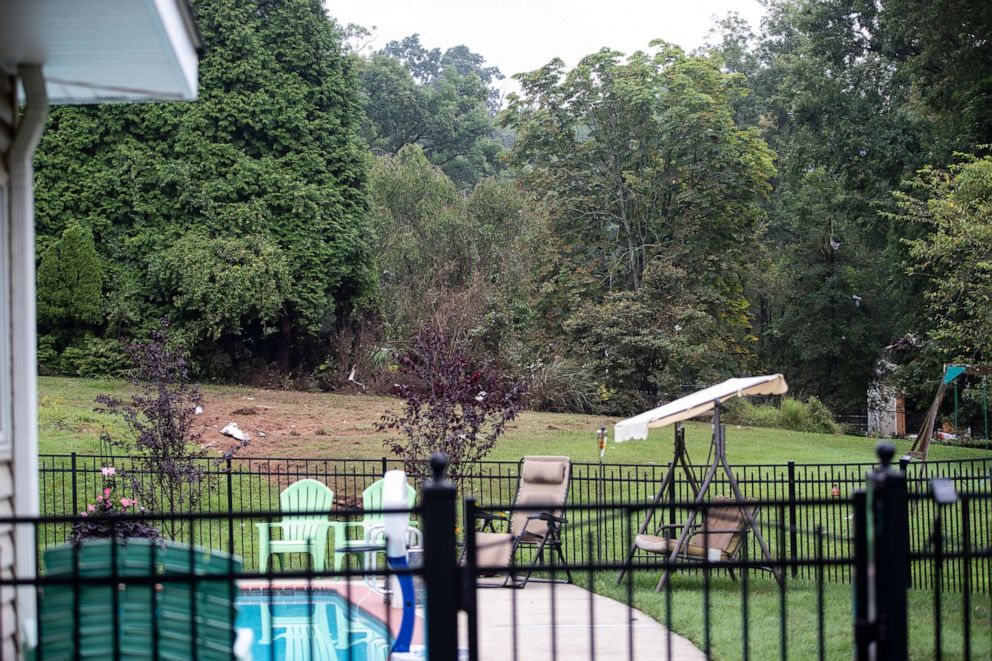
{"x": 371, "y": 500}
{"x": 149, "y": 614}
{"x": 301, "y": 533}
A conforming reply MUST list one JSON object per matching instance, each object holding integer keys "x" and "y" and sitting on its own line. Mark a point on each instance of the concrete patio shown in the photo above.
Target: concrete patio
{"x": 517, "y": 624}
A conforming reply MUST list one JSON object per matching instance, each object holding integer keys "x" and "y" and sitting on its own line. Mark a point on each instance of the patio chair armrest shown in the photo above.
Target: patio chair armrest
{"x": 545, "y": 516}
{"x": 490, "y": 516}
{"x": 341, "y": 528}
{"x": 266, "y": 526}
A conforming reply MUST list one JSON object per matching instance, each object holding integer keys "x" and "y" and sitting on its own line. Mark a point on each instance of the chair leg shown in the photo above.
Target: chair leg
{"x": 511, "y": 577}
{"x": 540, "y": 556}
{"x": 561, "y": 557}
{"x": 319, "y": 556}
{"x": 263, "y": 554}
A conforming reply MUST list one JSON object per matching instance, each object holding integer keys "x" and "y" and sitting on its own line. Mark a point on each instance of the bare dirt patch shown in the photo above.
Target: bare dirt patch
{"x": 293, "y": 424}
{"x": 286, "y": 423}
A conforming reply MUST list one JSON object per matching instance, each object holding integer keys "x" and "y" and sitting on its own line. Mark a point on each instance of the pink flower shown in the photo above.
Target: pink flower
{"x": 82, "y": 514}
{"x": 99, "y": 499}
{"x": 125, "y": 502}
{"x": 106, "y": 491}
{"x": 90, "y": 508}
{"x": 108, "y": 471}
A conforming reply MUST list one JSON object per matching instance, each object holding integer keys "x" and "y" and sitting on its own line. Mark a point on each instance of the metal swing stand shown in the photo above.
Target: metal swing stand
{"x": 719, "y": 461}
{"x": 921, "y": 446}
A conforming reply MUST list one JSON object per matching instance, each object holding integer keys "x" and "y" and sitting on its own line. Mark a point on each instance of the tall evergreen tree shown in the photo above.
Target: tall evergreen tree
{"x": 269, "y": 156}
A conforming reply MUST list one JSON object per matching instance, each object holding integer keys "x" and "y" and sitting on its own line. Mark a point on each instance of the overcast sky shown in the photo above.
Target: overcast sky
{"x": 522, "y": 35}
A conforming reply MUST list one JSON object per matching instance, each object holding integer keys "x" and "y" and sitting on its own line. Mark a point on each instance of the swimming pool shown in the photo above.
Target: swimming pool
{"x": 296, "y": 625}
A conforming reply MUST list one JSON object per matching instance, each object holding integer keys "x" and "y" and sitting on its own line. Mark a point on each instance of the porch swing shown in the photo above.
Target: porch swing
{"x": 733, "y": 515}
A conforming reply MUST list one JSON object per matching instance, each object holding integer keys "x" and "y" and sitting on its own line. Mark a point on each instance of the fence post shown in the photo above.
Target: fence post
{"x": 793, "y": 525}
{"x": 230, "y": 508}
{"x": 440, "y": 564}
{"x": 888, "y": 547}
{"x": 862, "y": 622}
{"x": 385, "y": 466}
{"x": 75, "y": 496}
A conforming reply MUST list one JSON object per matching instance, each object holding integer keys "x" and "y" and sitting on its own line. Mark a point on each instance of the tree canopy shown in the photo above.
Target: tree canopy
{"x": 442, "y": 102}
{"x": 806, "y": 197}
{"x": 243, "y": 215}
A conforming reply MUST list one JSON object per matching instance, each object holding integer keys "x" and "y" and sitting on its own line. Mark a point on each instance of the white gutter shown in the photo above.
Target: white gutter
{"x": 23, "y": 333}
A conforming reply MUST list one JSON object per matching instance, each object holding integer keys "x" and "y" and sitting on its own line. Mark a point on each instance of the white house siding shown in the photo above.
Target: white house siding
{"x": 7, "y": 609}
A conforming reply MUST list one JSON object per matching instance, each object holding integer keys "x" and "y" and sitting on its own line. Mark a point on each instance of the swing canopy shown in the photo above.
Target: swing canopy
{"x": 698, "y": 403}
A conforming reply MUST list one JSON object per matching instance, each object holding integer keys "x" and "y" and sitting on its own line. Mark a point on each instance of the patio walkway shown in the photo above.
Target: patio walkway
{"x": 573, "y": 631}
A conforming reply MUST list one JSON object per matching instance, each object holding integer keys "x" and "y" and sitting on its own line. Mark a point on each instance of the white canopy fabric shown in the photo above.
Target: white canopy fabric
{"x": 698, "y": 403}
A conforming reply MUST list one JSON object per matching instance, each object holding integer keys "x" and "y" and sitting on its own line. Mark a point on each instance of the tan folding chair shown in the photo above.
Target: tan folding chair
{"x": 543, "y": 489}
{"x": 717, "y": 538}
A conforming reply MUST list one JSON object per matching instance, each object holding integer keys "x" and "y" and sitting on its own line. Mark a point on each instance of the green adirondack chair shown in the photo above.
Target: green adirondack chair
{"x": 301, "y": 533}
{"x": 148, "y": 614}
{"x": 371, "y": 500}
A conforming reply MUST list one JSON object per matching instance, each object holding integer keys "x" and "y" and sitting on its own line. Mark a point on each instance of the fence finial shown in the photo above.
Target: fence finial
{"x": 439, "y": 463}
{"x": 885, "y": 452}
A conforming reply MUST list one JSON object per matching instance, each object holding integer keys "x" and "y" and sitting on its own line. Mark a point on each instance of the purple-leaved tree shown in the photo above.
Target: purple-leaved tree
{"x": 455, "y": 406}
{"x": 170, "y": 476}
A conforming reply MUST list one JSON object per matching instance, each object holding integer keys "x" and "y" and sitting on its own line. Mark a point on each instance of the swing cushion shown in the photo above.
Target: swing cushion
{"x": 655, "y": 544}
{"x": 722, "y": 531}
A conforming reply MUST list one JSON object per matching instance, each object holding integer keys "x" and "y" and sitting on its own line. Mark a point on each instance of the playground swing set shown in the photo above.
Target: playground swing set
{"x": 952, "y": 373}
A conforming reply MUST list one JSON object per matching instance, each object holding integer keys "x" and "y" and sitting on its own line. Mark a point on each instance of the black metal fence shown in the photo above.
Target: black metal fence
{"x": 744, "y": 604}
{"x": 70, "y": 482}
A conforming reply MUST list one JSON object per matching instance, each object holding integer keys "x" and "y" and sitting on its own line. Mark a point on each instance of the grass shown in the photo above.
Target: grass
{"x": 338, "y": 426}
{"x": 802, "y": 634}
{"x": 342, "y": 426}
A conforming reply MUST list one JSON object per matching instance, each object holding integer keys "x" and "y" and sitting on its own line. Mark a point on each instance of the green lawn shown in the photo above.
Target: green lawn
{"x": 802, "y": 636}
{"x": 68, "y": 424}
{"x": 342, "y": 426}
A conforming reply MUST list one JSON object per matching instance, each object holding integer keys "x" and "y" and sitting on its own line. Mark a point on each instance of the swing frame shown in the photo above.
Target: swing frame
{"x": 921, "y": 445}
{"x": 720, "y": 461}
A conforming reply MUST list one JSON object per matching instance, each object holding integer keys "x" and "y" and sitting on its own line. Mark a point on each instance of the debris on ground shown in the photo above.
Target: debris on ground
{"x": 247, "y": 410}
{"x": 234, "y": 432}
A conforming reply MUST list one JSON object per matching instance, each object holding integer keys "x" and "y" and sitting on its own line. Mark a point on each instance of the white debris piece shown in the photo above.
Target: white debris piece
{"x": 198, "y": 410}
{"x": 232, "y": 430}
{"x": 352, "y": 379}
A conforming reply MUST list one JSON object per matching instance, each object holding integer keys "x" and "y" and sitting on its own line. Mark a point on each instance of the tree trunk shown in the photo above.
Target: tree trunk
{"x": 285, "y": 338}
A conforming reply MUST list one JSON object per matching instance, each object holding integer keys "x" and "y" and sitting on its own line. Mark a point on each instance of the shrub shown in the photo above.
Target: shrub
{"x": 457, "y": 407}
{"x": 101, "y": 521}
{"x": 561, "y": 385}
{"x": 93, "y": 357}
{"x": 160, "y": 418}
{"x": 809, "y": 416}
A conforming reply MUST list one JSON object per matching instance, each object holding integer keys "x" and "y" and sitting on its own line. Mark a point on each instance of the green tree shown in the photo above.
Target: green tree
{"x": 441, "y": 102}
{"x": 268, "y": 161}
{"x": 832, "y": 105}
{"x": 943, "y": 49}
{"x": 70, "y": 282}
{"x": 639, "y": 159}
{"x": 953, "y": 258}
{"x": 455, "y": 263}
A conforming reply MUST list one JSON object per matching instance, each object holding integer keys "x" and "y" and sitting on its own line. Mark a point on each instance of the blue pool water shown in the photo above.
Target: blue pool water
{"x": 291, "y": 625}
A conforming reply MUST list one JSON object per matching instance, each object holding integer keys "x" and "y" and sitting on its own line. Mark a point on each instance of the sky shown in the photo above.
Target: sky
{"x": 523, "y": 35}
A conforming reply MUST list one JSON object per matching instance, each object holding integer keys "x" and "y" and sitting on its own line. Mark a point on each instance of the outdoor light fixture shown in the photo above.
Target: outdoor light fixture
{"x": 943, "y": 491}
{"x": 601, "y": 437}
